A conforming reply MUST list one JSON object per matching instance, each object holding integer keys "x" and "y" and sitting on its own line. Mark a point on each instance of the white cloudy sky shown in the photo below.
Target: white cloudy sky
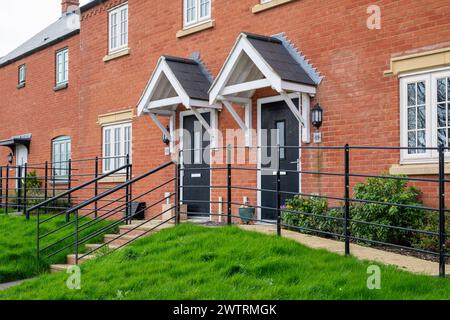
{"x": 22, "y": 19}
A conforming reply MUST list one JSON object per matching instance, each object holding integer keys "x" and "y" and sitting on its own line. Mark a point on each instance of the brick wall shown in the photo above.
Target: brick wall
{"x": 361, "y": 105}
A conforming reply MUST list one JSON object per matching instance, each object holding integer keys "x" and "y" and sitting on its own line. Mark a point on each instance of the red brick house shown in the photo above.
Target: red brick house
{"x": 133, "y": 70}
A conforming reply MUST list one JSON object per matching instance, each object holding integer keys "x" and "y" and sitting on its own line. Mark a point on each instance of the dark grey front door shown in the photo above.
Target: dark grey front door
{"x": 196, "y": 174}
{"x": 277, "y": 118}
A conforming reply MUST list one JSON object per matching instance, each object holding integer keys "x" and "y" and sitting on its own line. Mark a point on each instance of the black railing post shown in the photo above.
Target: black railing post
{"x": 96, "y": 188}
{"x": 278, "y": 184}
{"x": 7, "y": 188}
{"x": 54, "y": 179}
{"x": 46, "y": 185}
{"x": 1, "y": 187}
{"x": 177, "y": 192}
{"x": 38, "y": 236}
{"x": 347, "y": 199}
{"x": 229, "y": 209}
{"x": 127, "y": 190}
{"x": 69, "y": 182}
{"x": 25, "y": 200}
{"x": 441, "y": 212}
{"x": 19, "y": 188}
{"x": 76, "y": 237}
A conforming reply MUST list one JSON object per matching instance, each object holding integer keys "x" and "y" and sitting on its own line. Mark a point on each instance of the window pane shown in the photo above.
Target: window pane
{"x": 113, "y": 33}
{"x": 197, "y": 147}
{"x": 421, "y": 117}
{"x": 442, "y": 137}
{"x": 281, "y": 137}
{"x": 107, "y": 150}
{"x": 412, "y": 142}
{"x": 411, "y": 118}
{"x": 411, "y": 94}
{"x": 117, "y": 144}
{"x": 441, "y": 115}
{"x": 204, "y": 8}
{"x": 448, "y": 89}
{"x": 441, "y": 90}
{"x": 421, "y": 93}
{"x": 421, "y": 141}
{"x": 124, "y": 27}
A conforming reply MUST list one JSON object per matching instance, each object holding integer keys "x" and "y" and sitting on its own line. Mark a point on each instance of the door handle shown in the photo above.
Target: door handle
{"x": 298, "y": 164}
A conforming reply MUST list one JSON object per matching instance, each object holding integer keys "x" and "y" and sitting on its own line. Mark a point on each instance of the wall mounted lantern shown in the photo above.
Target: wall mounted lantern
{"x": 317, "y": 116}
{"x": 165, "y": 138}
{"x": 10, "y": 158}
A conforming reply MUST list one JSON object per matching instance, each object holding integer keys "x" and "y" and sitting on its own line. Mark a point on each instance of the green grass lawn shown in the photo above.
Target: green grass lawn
{"x": 18, "y": 245}
{"x": 193, "y": 262}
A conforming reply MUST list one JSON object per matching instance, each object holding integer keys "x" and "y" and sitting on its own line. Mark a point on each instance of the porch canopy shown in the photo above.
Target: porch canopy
{"x": 257, "y": 62}
{"x": 176, "y": 81}
{"x": 11, "y": 143}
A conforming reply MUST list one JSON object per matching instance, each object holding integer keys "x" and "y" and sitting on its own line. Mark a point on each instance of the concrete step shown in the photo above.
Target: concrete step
{"x": 59, "y": 267}
{"x": 71, "y": 258}
{"x": 96, "y": 246}
{"x": 146, "y": 229}
{"x": 120, "y": 241}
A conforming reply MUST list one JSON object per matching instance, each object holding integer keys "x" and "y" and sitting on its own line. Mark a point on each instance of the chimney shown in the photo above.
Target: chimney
{"x": 69, "y": 5}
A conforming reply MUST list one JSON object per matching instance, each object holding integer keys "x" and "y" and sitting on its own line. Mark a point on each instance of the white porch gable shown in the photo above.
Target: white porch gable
{"x": 176, "y": 81}
{"x": 257, "y": 62}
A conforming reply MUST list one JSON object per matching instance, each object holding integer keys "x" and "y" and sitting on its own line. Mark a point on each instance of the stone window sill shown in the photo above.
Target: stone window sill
{"x": 269, "y": 5}
{"x": 196, "y": 28}
{"x": 61, "y": 86}
{"x": 417, "y": 169}
{"x": 113, "y": 179}
{"x": 116, "y": 55}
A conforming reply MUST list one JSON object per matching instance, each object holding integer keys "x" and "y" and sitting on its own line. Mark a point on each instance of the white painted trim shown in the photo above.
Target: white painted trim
{"x": 245, "y": 86}
{"x": 306, "y": 114}
{"x": 260, "y": 103}
{"x": 293, "y": 108}
{"x": 164, "y": 103}
{"x": 213, "y": 119}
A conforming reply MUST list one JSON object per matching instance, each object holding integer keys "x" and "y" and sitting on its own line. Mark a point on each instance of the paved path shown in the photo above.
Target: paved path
{"x": 407, "y": 263}
{"x": 4, "y": 286}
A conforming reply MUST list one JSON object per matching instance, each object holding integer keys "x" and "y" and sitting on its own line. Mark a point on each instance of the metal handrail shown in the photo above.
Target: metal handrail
{"x": 119, "y": 187}
{"x": 81, "y": 186}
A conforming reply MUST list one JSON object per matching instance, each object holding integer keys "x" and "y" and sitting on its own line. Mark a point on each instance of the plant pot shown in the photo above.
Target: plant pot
{"x": 246, "y": 214}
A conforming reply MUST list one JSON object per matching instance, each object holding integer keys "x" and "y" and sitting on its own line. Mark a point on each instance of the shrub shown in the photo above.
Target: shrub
{"x": 392, "y": 191}
{"x": 311, "y": 213}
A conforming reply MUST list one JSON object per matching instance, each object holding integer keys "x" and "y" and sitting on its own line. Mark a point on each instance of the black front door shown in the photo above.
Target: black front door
{"x": 278, "y": 126}
{"x": 196, "y": 173}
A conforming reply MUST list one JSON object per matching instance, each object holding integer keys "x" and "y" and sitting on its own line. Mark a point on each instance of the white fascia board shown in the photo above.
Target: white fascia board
{"x": 149, "y": 89}
{"x": 246, "y": 86}
{"x": 297, "y": 87}
{"x": 225, "y": 72}
{"x": 204, "y": 104}
{"x": 163, "y": 103}
{"x": 215, "y": 86}
{"x": 263, "y": 66}
{"x": 175, "y": 84}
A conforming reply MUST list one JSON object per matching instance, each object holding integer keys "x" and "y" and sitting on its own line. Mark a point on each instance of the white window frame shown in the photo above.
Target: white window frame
{"x": 430, "y": 78}
{"x": 22, "y": 74}
{"x": 115, "y": 163}
{"x": 121, "y": 31}
{"x": 198, "y": 19}
{"x": 60, "y": 166}
{"x": 62, "y": 66}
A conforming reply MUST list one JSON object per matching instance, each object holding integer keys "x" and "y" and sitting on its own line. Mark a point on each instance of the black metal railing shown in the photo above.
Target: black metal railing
{"x": 347, "y": 166}
{"x": 22, "y": 187}
{"x": 103, "y": 212}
